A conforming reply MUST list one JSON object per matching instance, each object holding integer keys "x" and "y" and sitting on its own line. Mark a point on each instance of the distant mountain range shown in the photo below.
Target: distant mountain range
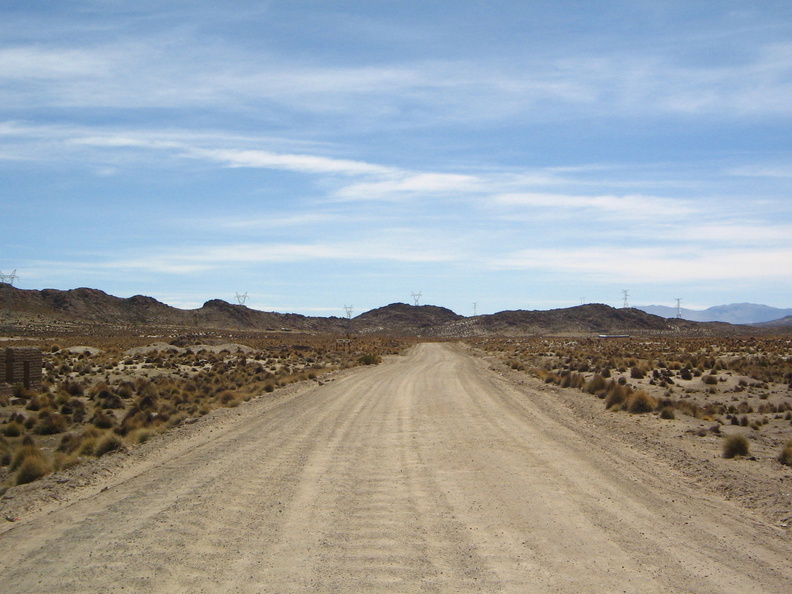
{"x": 735, "y": 313}
{"x": 92, "y": 310}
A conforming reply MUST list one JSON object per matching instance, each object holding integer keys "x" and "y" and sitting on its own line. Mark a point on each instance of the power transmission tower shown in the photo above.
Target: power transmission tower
{"x": 8, "y": 278}
{"x": 416, "y": 297}
{"x": 348, "y": 310}
{"x": 626, "y": 295}
{"x": 475, "y": 308}
{"x": 241, "y": 298}
{"x": 8, "y": 282}
{"x": 679, "y": 308}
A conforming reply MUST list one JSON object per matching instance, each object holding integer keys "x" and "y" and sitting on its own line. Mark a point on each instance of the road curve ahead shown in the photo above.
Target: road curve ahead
{"x": 426, "y": 473}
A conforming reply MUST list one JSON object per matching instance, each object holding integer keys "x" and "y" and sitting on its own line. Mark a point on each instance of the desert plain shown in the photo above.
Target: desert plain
{"x": 285, "y": 462}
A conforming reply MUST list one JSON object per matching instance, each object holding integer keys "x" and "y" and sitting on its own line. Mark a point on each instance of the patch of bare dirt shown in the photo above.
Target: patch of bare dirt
{"x": 430, "y": 472}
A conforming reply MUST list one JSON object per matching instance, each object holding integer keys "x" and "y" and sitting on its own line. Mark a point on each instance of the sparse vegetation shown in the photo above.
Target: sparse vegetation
{"x": 123, "y": 390}
{"x": 370, "y": 359}
{"x": 735, "y": 445}
{"x": 700, "y": 378}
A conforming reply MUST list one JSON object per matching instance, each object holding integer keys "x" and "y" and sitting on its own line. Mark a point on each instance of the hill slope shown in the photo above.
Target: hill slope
{"x": 734, "y": 313}
{"x": 95, "y": 308}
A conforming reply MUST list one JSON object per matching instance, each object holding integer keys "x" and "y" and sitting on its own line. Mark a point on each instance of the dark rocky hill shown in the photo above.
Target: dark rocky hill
{"x": 583, "y": 319}
{"x": 92, "y": 307}
{"x": 405, "y": 319}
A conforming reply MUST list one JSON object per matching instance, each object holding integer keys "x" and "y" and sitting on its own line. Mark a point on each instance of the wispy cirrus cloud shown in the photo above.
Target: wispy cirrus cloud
{"x": 626, "y": 206}
{"x": 653, "y": 265}
{"x": 288, "y": 162}
{"x": 213, "y": 257}
{"x": 156, "y": 71}
{"x": 400, "y": 184}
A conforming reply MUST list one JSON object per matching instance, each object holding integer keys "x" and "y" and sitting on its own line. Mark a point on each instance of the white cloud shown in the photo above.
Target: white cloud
{"x": 37, "y": 63}
{"x": 206, "y": 258}
{"x": 653, "y": 265}
{"x": 278, "y": 221}
{"x": 628, "y": 206}
{"x": 156, "y": 72}
{"x": 290, "y": 162}
{"x": 746, "y": 234}
{"x": 410, "y": 183}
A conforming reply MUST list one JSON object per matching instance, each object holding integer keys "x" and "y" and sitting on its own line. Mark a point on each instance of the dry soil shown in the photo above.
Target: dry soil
{"x": 429, "y": 472}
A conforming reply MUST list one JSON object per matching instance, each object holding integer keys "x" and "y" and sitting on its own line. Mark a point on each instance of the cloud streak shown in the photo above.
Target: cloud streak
{"x": 653, "y": 265}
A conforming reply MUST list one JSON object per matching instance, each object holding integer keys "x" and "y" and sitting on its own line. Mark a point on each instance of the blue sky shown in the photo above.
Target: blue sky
{"x": 512, "y": 154}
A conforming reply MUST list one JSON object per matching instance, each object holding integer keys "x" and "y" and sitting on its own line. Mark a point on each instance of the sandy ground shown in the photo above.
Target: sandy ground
{"x": 430, "y": 472}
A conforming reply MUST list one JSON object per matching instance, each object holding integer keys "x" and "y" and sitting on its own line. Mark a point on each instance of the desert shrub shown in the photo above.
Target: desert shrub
{"x": 27, "y": 449}
{"x": 370, "y": 359}
{"x": 640, "y": 402}
{"x": 69, "y": 443}
{"x": 140, "y": 436}
{"x": 735, "y": 445}
{"x": 572, "y": 380}
{"x": 31, "y": 468}
{"x": 785, "y": 457}
{"x": 108, "y": 400}
{"x": 596, "y": 384}
{"x": 51, "y": 424}
{"x": 109, "y": 443}
{"x": 34, "y": 404}
{"x": 73, "y": 388}
{"x": 102, "y": 420}
{"x": 616, "y": 394}
{"x": 226, "y": 396}
{"x": 636, "y": 372}
{"x": 12, "y": 429}
{"x": 5, "y": 452}
{"x": 710, "y": 379}
{"x": 667, "y": 412}
{"x": 62, "y": 461}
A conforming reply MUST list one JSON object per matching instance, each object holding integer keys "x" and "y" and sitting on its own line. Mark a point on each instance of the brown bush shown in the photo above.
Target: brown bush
{"x": 785, "y": 457}
{"x": 31, "y": 468}
{"x": 735, "y": 445}
{"x": 640, "y": 402}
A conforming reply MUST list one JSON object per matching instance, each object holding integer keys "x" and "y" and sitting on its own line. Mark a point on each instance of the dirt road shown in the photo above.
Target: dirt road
{"x": 426, "y": 473}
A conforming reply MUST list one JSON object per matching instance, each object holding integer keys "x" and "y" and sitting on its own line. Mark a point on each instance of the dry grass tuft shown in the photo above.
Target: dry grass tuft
{"x": 109, "y": 443}
{"x": 785, "y": 457}
{"x": 640, "y": 402}
{"x": 32, "y": 468}
{"x": 735, "y": 445}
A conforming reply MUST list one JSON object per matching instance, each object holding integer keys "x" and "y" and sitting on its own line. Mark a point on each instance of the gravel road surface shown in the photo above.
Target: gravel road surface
{"x": 429, "y": 472}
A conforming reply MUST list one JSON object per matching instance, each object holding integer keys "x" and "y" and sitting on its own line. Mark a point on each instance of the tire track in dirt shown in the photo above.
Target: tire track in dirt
{"x": 427, "y": 473}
